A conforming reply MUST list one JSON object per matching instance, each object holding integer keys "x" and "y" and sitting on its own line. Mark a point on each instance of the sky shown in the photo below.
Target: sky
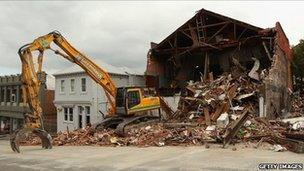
{"x": 119, "y": 33}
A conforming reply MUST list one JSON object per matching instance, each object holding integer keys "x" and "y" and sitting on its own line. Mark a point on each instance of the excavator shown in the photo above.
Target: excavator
{"x": 127, "y": 104}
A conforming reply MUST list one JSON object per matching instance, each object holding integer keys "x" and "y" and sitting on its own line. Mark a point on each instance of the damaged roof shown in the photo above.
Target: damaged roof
{"x": 211, "y": 20}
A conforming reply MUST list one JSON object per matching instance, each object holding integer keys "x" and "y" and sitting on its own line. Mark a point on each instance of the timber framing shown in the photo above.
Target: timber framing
{"x": 205, "y": 30}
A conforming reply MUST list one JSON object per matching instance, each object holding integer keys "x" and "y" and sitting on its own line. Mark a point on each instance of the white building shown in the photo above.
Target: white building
{"x": 79, "y": 100}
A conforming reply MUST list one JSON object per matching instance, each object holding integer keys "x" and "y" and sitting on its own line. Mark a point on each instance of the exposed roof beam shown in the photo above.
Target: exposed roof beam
{"x": 216, "y": 33}
{"x": 186, "y": 34}
{"x": 211, "y": 25}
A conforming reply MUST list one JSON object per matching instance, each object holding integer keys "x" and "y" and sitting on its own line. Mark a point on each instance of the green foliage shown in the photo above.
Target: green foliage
{"x": 298, "y": 63}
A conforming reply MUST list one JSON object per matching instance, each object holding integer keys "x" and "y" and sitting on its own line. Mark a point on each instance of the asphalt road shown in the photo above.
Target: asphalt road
{"x": 84, "y": 158}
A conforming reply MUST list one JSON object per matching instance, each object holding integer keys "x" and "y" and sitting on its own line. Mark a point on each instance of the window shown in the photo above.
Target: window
{"x": 62, "y": 86}
{"x": 2, "y": 95}
{"x": 8, "y": 94}
{"x": 80, "y": 110}
{"x": 83, "y": 84}
{"x": 72, "y": 88}
{"x": 65, "y": 114}
{"x": 87, "y": 112}
{"x": 13, "y": 98}
{"x": 68, "y": 113}
{"x": 71, "y": 114}
{"x": 133, "y": 98}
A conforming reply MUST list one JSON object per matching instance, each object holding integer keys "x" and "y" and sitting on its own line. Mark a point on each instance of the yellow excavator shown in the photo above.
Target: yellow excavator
{"x": 127, "y": 104}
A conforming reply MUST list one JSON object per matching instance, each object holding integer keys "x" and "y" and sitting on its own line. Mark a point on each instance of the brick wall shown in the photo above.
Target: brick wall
{"x": 278, "y": 83}
{"x": 49, "y": 112}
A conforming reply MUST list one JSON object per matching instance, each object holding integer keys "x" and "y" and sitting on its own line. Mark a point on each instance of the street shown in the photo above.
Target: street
{"x": 134, "y": 158}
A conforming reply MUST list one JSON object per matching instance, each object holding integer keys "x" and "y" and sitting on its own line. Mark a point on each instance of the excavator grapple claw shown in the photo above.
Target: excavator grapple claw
{"x": 46, "y": 139}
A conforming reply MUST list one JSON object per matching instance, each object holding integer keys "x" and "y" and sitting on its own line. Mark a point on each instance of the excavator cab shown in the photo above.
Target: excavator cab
{"x": 135, "y": 100}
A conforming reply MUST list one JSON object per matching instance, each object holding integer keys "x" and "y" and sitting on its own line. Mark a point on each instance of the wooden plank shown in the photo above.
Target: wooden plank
{"x": 291, "y": 144}
{"x": 206, "y": 66}
{"x": 233, "y": 129}
{"x": 216, "y": 33}
{"x": 207, "y": 116}
{"x": 193, "y": 35}
{"x": 186, "y": 34}
{"x": 219, "y": 110}
{"x": 232, "y": 92}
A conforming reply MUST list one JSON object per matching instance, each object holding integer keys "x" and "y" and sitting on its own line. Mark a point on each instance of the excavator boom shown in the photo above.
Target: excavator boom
{"x": 31, "y": 82}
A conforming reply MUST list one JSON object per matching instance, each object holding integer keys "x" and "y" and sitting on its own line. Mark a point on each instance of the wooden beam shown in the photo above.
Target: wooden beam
{"x": 233, "y": 129}
{"x": 212, "y": 25}
{"x": 234, "y": 30}
{"x": 186, "y": 34}
{"x": 245, "y": 29}
{"x": 193, "y": 35}
{"x": 170, "y": 43}
{"x": 206, "y": 66}
{"x": 216, "y": 24}
{"x": 207, "y": 116}
{"x": 267, "y": 51}
{"x": 209, "y": 45}
{"x": 175, "y": 40}
{"x": 204, "y": 28}
{"x": 174, "y": 48}
{"x": 216, "y": 33}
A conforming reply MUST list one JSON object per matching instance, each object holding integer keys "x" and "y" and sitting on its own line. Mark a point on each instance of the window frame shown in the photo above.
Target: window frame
{"x": 71, "y": 114}
{"x": 86, "y": 83}
{"x": 13, "y": 98}
{"x": 86, "y": 110}
{"x": 65, "y": 114}
{"x": 134, "y": 103}
{"x": 62, "y": 84}
{"x": 73, "y": 85}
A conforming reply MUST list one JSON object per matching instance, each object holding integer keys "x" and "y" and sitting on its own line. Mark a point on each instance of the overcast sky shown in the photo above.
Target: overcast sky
{"x": 120, "y": 33}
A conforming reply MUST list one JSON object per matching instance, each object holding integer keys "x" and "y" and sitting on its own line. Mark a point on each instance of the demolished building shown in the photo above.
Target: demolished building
{"x": 210, "y": 44}
{"x": 228, "y": 72}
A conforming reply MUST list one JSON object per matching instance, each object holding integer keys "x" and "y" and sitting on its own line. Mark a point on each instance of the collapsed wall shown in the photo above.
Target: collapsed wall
{"x": 209, "y": 45}
{"x": 278, "y": 84}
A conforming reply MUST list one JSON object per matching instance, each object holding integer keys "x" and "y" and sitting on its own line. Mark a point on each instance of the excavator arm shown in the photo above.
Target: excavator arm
{"x": 31, "y": 83}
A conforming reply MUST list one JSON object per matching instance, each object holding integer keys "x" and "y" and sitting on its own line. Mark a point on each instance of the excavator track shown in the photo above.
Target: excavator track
{"x": 120, "y": 129}
{"x": 120, "y": 123}
{"x": 108, "y": 123}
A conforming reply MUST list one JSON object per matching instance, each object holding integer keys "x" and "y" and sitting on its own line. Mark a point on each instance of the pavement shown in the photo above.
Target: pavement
{"x": 84, "y": 158}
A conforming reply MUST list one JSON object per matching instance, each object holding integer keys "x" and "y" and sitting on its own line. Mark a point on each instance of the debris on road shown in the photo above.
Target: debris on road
{"x": 222, "y": 111}
{"x": 278, "y": 148}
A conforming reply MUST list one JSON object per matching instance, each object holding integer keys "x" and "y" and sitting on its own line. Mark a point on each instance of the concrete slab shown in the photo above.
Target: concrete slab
{"x": 133, "y": 158}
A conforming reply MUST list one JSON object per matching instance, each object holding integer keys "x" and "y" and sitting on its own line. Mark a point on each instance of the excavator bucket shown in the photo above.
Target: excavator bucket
{"x": 46, "y": 139}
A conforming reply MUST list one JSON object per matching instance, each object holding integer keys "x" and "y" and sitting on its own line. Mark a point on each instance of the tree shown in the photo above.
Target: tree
{"x": 298, "y": 65}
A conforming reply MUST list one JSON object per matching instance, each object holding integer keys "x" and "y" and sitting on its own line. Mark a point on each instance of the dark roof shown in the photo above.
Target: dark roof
{"x": 213, "y": 14}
